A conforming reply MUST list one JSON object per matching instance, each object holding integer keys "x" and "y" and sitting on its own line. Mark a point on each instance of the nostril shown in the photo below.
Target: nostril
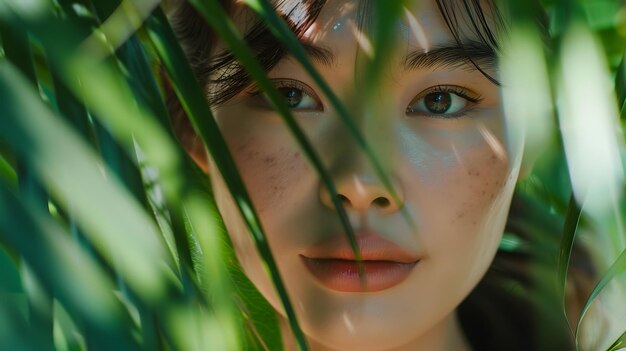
{"x": 381, "y": 202}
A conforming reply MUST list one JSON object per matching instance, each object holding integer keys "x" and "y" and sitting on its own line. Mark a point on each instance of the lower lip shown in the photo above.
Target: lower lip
{"x": 343, "y": 275}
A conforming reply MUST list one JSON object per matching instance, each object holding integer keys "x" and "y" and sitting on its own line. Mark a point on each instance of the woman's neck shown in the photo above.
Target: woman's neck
{"x": 445, "y": 336}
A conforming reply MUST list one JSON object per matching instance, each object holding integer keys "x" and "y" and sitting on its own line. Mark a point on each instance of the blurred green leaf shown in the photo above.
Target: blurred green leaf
{"x": 10, "y": 282}
{"x": 74, "y": 176}
{"x": 620, "y": 85}
{"x": 15, "y": 331}
{"x": 7, "y": 172}
{"x": 60, "y": 264}
{"x": 619, "y": 344}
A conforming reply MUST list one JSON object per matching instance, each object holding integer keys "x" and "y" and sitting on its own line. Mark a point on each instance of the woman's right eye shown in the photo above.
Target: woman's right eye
{"x": 297, "y": 96}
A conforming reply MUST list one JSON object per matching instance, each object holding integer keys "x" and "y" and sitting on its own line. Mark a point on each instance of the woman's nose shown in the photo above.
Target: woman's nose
{"x": 360, "y": 193}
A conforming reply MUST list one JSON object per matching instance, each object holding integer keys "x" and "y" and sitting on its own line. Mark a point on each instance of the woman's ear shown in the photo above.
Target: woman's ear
{"x": 190, "y": 141}
{"x": 197, "y": 152}
{"x": 183, "y": 130}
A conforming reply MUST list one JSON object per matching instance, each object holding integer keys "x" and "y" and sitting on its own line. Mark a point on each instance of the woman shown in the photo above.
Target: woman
{"x": 435, "y": 119}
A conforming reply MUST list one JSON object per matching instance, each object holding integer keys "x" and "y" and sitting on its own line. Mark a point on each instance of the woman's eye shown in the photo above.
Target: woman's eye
{"x": 298, "y": 99}
{"x": 450, "y": 102}
{"x": 296, "y": 95}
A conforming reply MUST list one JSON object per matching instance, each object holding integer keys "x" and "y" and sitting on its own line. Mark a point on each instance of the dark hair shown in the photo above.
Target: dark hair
{"x": 504, "y": 311}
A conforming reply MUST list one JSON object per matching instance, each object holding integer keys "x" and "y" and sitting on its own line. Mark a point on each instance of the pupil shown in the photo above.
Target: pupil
{"x": 438, "y": 102}
{"x": 293, "y": 96}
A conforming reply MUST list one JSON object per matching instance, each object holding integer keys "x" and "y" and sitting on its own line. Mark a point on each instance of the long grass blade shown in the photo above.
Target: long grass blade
{"x": 618, "y": 267}
{"x": 572, "y": 218}
{"x": 194, "y": 103}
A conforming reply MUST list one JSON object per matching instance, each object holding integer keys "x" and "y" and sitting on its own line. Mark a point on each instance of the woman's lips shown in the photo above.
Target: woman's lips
{"x": 332, "y": 263}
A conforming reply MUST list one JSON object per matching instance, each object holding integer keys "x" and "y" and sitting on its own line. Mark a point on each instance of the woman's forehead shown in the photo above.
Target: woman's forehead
{"x": 420, "y": 24}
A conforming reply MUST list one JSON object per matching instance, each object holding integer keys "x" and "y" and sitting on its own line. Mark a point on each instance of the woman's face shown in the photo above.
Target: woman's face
{"x": 438, "y": 128}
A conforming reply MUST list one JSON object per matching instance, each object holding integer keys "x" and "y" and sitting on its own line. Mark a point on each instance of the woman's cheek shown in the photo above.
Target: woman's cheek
{"x": 266, "y": 155}
{"x": 458, "y": 185}
{"x": 269, "y": 170}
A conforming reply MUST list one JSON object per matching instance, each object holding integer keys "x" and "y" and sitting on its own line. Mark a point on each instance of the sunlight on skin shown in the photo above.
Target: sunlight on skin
{"x": 457, "y": 155}
{"x": 349, "y": 325}
{"x": 493, "y": 142}
{"x": 359, "y": 186}
{"x": 362, "y": 39}
{"x": 417, "y": 30}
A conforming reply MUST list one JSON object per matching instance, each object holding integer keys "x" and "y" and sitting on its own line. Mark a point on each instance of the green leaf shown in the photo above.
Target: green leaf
{"x": 618, "y": 267}
{"x": 71, "y": 172}
{"x": 208, "y": 232}
{"x": 10, "y": 282}
{"x": 7, "y": 172}
{"x": 619, "y": 344}
{"x": 572, "y": 218}
{"x": 60, "y": 264}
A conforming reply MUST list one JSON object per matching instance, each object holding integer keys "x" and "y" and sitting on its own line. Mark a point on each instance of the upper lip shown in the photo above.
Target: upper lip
{"x": 372, "y": 247}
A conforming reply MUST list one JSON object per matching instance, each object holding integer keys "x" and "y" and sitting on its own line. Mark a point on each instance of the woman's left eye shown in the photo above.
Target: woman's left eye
{"x": 298, "y": 99}
{"x": 442, "y": 101}
{"x": 296, "y": 95}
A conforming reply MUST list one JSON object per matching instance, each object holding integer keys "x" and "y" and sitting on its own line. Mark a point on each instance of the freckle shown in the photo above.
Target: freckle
{"x": 477, "y": 174}
{"x": 269, "y": 159}
{"x": 296, "y": 154}
{"x": 474, "y": 222}
{"x": 483, "y": 193}
{"x": 492, "y": 196}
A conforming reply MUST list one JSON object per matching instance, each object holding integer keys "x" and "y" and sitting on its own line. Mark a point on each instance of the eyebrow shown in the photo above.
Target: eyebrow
{"x": 468, "y": 55}
{"x": 321, "y": 55}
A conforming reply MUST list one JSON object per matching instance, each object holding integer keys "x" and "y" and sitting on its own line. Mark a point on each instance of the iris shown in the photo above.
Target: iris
{"x": 438, "y": 102}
